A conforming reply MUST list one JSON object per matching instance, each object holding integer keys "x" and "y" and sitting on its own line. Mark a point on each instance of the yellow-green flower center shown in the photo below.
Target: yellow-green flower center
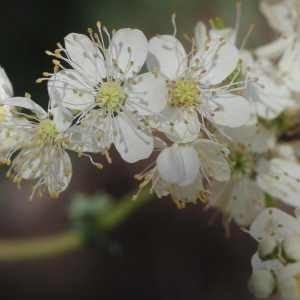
{"x": 184, "y": 93}
{"x": 111, "y": 97}
{"x": 241, "y": 163}
{"x": 47, "y": 133}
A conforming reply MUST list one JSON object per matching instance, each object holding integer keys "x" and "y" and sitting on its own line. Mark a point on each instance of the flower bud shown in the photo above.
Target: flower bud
{"x": 262, "y": 284}
{"x": 289, "y": 282}
{"x": 291, "y": 247}
{"x": 267, "y": 247}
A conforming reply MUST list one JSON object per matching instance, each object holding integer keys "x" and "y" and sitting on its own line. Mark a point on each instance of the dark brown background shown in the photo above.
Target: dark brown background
{"x": 166, "y": 253}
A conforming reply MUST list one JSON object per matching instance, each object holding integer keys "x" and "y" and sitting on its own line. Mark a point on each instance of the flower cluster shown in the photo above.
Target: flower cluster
{"x": 215, "y": 121}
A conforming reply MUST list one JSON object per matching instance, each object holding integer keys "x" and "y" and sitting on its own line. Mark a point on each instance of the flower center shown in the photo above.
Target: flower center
{"x": 111, "y": 97}
{"x": 184, "y": 93}
{"x": 47, "y": 133}
{"x": 241, "y": 163}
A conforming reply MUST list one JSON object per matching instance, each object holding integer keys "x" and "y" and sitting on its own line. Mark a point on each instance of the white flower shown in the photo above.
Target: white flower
{"x": 262, "y": 284}
{"x": 39, "y": 153}
{"x": 241, "y": 199}
{"x": 111, "y": 101}
{"x": 195, "y": 85}
{"x": 289, "y": 282}
{"x": 280, "y": 178}
{"x": 183, "y": 170}
{"x": 268, "y": 92}
{"x": 282, "y": 15}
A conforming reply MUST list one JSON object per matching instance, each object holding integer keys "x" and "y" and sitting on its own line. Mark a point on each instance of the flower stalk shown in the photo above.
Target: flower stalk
{"x": 70, "y": 240}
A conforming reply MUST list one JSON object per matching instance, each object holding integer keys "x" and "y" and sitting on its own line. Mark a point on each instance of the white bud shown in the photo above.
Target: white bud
{"x": 262, "y": 284}
{"x": 267, "y": 247}
{"x": 291, "y": 247}
{"x": 289, "y": 282}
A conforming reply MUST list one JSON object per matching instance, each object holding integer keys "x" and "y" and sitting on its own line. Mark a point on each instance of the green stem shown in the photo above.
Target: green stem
{"x": 18, "y": 250}
{"x": 69, "y": 241}
{"x": 123, "y": 210}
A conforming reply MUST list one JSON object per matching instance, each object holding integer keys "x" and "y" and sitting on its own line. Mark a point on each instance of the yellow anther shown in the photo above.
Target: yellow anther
{"x": 54, "y": 195}
{"x": 56, "y": 62}
{"x": 47, "y": 133}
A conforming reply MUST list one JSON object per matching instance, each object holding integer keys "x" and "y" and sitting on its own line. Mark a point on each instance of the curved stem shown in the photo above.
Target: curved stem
{"x": 63, "y": 243}
{"x": 17, "y": 250}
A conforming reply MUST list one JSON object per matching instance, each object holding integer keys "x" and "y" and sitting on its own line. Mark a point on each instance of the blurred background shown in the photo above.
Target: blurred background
{"x": 164, "y": 253}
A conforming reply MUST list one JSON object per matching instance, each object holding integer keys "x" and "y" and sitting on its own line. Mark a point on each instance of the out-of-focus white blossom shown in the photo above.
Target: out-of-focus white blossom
{"x": 262, "y": 284}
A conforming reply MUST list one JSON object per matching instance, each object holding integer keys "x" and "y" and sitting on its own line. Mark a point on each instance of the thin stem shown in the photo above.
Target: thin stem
{"x": 123, "y": 210}
{"x": 69, "y": 241}
{"x": 17, "y": 250}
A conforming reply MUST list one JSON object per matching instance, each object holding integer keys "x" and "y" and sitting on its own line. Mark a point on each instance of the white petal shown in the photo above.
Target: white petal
{"x": 230, "y": 110}
{"x": 167, "y": 55}
{"x": 93, "y": 134}
{"x": 59, "y": 171}
{"x": 149, "y": 95}
{"x": 287, "y": 286}
{"x": 213, "y": 159}
{"x": 6, "y": 89}
{"x": 132, "y": 143}
{"x": 201, "y": 36}
{"x": 219, "y": 62}
{"x": 286, "y": 151}
{"x": 85, "y": 56}
{"x": 281, "y": 179}
{"x": 240, "y": 200}
{"x": 186, "y": 194}
{"x": 241, "y": 135}
{"x": 271, "y": 98}
{"x": 26, "y": 103}
{"x": 128, "y": 49}
{"x": 179, "y": 125}
{"x": 28, "y": 163}
{"x": 62, "y": 118}
{"x": 178, "y": 165}
{"x": 274, "y": 49}
{"x": 263, "y": 140}
{"x": 274, "y": 222}
{"x": 247, "y": 201}
{"x": 255, "y": 137}
{"x": 281, "y": 15}
{"x": 69, "y": 89}
{"x": 289, "y": 66}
